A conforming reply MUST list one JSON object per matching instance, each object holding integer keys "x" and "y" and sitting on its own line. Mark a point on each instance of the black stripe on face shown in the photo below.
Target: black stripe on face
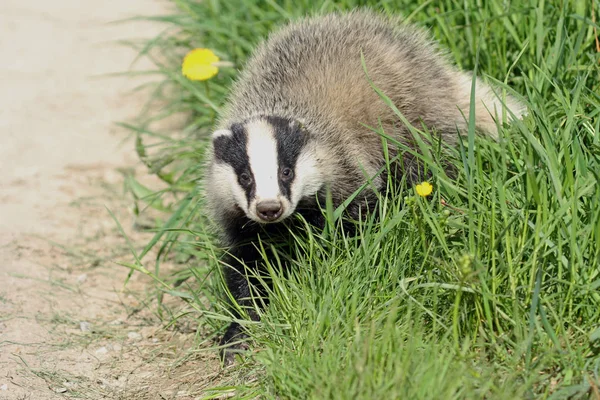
{"x": 231, "y": 149}
{"x": 291, "y": 139}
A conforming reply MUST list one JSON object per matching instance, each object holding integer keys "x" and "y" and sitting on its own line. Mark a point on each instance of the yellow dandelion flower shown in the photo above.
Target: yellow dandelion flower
{"x": 424, "y": 189}
{"x": 200, "y": 65}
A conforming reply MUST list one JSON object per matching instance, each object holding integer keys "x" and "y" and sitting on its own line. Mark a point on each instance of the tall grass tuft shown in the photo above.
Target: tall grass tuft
{"x": 489, "y": 288}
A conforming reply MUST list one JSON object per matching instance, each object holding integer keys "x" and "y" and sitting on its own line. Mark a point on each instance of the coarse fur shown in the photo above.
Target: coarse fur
{"x": 295, "y": 127}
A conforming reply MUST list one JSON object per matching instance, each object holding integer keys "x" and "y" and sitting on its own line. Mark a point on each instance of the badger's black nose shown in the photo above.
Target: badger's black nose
{"x": 269, "y": 210}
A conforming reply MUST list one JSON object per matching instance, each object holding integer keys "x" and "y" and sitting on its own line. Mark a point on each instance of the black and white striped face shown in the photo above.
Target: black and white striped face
{"x": 265, "y": 167}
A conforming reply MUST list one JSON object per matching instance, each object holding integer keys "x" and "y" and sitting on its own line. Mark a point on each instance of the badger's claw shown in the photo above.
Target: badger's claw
{"x": 233, "y": 342}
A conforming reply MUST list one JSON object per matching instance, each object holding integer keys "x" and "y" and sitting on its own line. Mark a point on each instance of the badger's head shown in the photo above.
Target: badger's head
{"x": 264, "y": 167}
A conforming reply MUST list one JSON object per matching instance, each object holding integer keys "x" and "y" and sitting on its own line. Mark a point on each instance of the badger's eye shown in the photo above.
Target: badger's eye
{"x": 287, "y": 174}
{"x": 245, "y": 179}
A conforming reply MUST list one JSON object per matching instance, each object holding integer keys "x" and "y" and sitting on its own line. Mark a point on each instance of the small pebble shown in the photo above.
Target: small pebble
{"x": 60, "y": 390}
{"x": 116, "y": 347}
{"x": 85, "y": 326}
{"x": 134, "y": 336}
{"x": 4, "y": 386}
{"x": 81, "y": 278}
{"x": 101, "y": 350}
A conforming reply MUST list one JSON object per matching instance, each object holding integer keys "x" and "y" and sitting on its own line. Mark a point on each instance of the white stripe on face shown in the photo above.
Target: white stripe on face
{"x": 261, "y": 148}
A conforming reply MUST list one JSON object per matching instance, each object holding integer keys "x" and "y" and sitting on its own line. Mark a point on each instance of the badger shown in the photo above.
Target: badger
{"x": 296, "y": 128}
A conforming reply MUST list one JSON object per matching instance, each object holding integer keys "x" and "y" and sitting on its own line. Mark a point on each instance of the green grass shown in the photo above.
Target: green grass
{"x": 488, "y": 289}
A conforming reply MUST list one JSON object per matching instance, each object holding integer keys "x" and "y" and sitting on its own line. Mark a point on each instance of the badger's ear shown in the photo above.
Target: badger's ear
{"x": 221, "y": 133}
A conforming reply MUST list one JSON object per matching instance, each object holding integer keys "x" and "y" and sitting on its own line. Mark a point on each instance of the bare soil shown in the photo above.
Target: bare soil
{"x": 69, "y": 328}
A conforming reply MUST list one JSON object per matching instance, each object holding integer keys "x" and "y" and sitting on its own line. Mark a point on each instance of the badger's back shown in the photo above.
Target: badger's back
{"x": 311, "y": 71}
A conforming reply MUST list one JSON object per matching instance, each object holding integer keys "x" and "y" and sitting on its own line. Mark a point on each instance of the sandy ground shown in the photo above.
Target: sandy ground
{"x": 68, "y": 328}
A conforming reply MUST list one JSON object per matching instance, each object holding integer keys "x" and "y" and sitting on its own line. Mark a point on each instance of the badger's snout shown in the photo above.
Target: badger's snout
{"x": 269, "y": 210}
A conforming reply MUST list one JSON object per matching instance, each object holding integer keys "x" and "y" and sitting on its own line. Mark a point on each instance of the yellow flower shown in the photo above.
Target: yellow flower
{"x": 424, "y": 189}
{"x": 199, "y": 65}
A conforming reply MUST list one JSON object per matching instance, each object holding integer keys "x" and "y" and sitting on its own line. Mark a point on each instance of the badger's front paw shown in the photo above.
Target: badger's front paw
{"x": 233, "y": 342}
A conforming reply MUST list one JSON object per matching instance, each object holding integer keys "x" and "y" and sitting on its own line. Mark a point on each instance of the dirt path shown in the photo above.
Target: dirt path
{"x": 67, "y": 326}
